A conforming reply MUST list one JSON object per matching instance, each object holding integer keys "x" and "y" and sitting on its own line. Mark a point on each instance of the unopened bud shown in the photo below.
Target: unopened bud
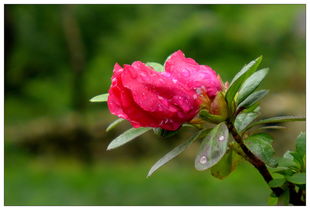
{"x": 217, "y": 112}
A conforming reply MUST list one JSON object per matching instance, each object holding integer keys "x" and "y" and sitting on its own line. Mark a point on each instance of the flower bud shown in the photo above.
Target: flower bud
{"x": 216, "y": 110}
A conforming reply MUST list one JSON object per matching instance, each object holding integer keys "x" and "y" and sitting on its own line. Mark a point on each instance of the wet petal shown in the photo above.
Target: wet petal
{"x": 195, "y": 76}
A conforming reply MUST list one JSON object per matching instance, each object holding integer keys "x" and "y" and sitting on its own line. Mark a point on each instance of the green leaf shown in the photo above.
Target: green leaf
{"x": 100, "y": 98}
{"x": 300, "y": 151}
{"x": 282, "y": 170}
{"x": 284, "y": 198}
{"x": 175, "y": 152}
{"x": 298, "y": 159}
{"x": 278, "y": 119}
{"x": 213, "y": 147}
{"x": 270, "y": 127}
{"x": 260, "y": 145}
{"x": 288, "y": 155}
{"x": 205, "y": 115}
{"x": 297, "y": 178}
{"x": 301, "y": 144}
{"x": 237, "y": 81}
{"x": 288, "y": 161}
{"x": 253, "y": 98}
{"x": 226, "y": 165}
{"x": 277, "y": 182}
{"x": 244, "y": 119}
{"x": 253, "y": 108}
{"x": 188, "y": 125}
{"x": 251, "y": 84}
{"x": 164, "y": 133}
{"x": 272, "y": 200}
{"x": 247, "y": 70}
{"x": 114, "y": 124}
{"x": 156, "y": 66}
{"x": 127, "y": 136}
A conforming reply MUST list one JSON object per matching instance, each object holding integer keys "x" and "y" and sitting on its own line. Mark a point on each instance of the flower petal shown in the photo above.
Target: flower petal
{"x": 161, "y": 95}
{"x": 195, "y": 76}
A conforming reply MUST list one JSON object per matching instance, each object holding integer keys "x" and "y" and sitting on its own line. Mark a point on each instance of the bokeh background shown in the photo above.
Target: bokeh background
{"x": 59, "y": 56}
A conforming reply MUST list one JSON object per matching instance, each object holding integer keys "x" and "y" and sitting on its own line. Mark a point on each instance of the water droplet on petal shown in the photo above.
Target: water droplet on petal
{"x": 174, "y": 81}
{"x": 221, "y": 138}
{"x": 186, "y": 73}
{"x": 203, "y": 159}
{"x": 198, "y": 91}
{"x": 143, "y": 74}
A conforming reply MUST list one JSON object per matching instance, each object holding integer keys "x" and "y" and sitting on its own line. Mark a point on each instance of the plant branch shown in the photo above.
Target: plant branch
{"x": 256, "y": 162}
{"x": 295, "y": 197}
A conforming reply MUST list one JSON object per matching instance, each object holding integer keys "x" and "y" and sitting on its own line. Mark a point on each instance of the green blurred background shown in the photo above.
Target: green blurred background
{"x": 59, "y": 56}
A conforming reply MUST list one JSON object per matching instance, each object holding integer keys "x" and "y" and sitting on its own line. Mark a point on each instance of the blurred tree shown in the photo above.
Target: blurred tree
{"x": 77, "y": 58}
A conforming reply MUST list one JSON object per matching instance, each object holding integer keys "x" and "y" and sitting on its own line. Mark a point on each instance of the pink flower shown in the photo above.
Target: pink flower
{"x": 195, "y": 76}
{"x": 147, "y": 98}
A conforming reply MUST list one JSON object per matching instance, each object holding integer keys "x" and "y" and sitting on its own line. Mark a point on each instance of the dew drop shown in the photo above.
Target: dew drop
{"x": 198, "y": 91}
{"x": 174, "y": 81}
{"x": 186, "y": 73}
{"x": 143, "y": 74}
{"x": 203, "y": 159}
{"x": 221, "y": 138}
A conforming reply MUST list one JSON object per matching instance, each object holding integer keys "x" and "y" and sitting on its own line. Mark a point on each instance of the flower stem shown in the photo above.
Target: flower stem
{"x": 256, "y": 162}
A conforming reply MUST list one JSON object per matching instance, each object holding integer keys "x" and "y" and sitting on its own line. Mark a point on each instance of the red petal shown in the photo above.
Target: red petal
{"x": 195, "y": 76}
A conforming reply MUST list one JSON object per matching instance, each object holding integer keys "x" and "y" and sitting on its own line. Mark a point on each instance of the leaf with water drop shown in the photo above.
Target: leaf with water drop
{"x": 213, "y": 147}
{"x": 127, "y": 136}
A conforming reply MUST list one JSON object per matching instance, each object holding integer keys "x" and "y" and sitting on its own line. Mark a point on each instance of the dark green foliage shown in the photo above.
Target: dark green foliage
{"x": 164, "y": 133}
{"x": 226, "y": 165}
{"x": 261, "y": 146}
{"x": 238, "y": 80}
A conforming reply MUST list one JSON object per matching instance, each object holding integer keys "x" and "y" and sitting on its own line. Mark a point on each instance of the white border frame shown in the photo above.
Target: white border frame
{"x": 137, "y": 2}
